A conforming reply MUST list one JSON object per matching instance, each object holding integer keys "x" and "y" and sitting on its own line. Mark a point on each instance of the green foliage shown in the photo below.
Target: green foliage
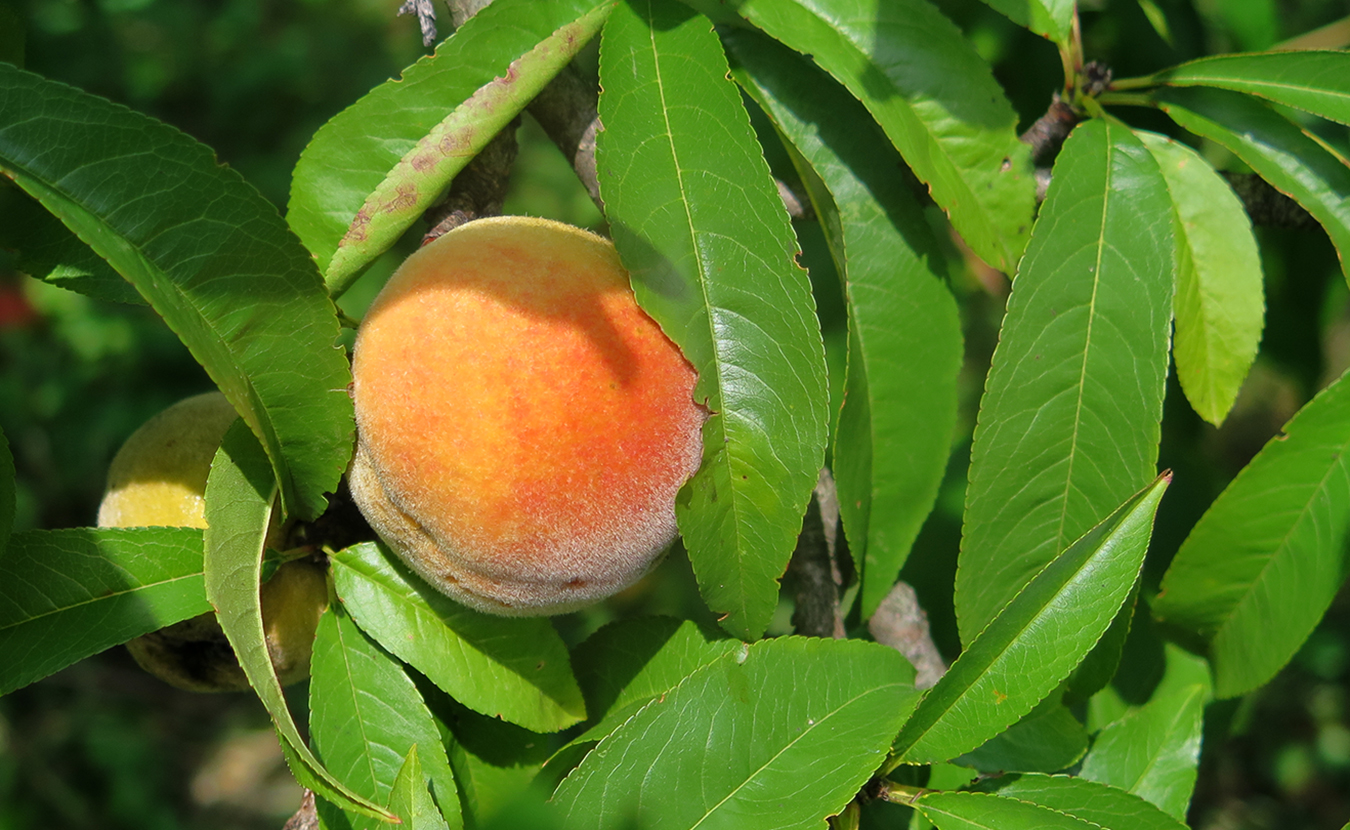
{"x": 885, "y": 119}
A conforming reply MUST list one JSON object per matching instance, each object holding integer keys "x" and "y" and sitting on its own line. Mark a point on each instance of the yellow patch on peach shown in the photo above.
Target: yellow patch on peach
{"x": 523, "y": 426}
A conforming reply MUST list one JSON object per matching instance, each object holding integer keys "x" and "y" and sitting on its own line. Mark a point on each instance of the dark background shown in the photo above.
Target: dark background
{"x": 103, "y": 745}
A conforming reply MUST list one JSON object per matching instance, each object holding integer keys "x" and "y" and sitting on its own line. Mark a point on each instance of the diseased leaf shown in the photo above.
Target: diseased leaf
{"x": 419, "y": 178}
{"x": 366, "y": 717}
{"x": 240, "y": 494}
{"x": 781, "y": 733}
{"x": 1103, "y": 806}
{"x": 132, "y": 189}
{"x": 701, "y": 228}
{"x": 935, "y": 98}
{"x": 1069, "y": 423}
{"x": 1314, "y": 81}
{"x": 899, "y": 413}
{"x": 1219, "y": 303}
{"x": 1036, "y": 640}
{"x": 514, "y": 668}
{"x": 1292, "y": 161}
{"x": 351, "y": 155}
{"x": 1262, "y": 565}
{"x": 68, "y": 594}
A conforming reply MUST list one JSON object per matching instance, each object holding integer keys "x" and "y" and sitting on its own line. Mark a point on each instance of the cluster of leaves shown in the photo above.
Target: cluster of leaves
{"x": 672, "y": 725}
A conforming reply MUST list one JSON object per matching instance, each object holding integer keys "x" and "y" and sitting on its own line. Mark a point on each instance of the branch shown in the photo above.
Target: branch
{"x": 307, "y": 817}
{"x": 814, "y": 576}
{"x": 901, "y": 624}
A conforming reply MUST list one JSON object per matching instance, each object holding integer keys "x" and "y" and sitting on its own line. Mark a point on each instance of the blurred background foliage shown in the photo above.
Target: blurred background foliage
{"x": 102, "y": 745}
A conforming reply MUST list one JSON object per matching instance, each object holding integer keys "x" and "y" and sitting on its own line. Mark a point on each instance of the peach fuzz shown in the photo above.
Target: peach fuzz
{"x": 523, "y": 426}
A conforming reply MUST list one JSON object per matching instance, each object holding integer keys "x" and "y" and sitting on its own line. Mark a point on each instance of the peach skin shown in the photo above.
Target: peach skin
{"x": 523, "y": 426}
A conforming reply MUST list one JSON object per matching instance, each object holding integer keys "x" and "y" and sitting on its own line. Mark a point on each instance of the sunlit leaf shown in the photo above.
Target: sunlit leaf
{"x": 1069, "y": 423}
{"x": 699, "y": 224}
{"x": 135, "y": 190}
{"x": 1314, "y": 81}
{"x": 69, "y": 594}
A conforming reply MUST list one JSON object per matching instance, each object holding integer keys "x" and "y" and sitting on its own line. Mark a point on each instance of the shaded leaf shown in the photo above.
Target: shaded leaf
{"x": 936, "y": 99}
{"x": 6, "y": 492}
{"x": 352, "y": 153}
{"x": 1262, "y": 565}
{"x": 514, "y": 668}
{"x": 1036, "y": 640}
{"x": 223, "y": 271}
{"x": 1314, "y": 81}
{"x": 1219, "y": 303}
{"x": 701, "y": 228}
{"x": 1048, "y": 739}
{"x": 68, "y": 594}
{"x": 240, "y": 494}
{"x": 1069, "y": 423}
{"x": 899, "y": 414}
{"x": 366, "y": 717}
{"x": 1290, "y": 159}
{"x": 780, "y": 734}
{"x": 419, "y": 178}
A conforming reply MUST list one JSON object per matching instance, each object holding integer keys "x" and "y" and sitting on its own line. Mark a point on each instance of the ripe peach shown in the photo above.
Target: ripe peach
{"x": 158, "y": 478}
{"x": 523, "y": 426}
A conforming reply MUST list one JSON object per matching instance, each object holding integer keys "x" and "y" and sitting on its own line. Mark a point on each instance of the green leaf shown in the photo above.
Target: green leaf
{"x": 49, "y": 251}
{"x": 366, "y": 716}
{"x": 69, "y": 594}
{"x": 982, "y": 811}
{"x": 1219, "y": 303}
{"x": 1068, "y": 427}
{"x": 1293, "y": 161}
{"x": 419, "y": 178}
{"x": 240, "y": 493}
{"x": 1313, "y": 81}
{"x": 1104, "y": 806}
{"x": 1101, "y": 664}
{"x": 411, "y": 801}
{"x": 1153, "y": 751}
{"x": 899, "y": 413}
{"x": 495, "y": 762}
{"x": 1262, "y": 565}
{"x": 936, "y": 99}
{"x": 1036, "y": 640}
{"x": 1052, "y": 19}
{"x": 514, "y": 668}
{"x": 779, "y": 734}
{"x": 626, "y": 664}
{"x": 1048, "y": 739}
{"x": 677, "y": 149}
{"x": 208, "y": 253}
{"x": 7, "y": 503}
{"x": 351, "y": 155}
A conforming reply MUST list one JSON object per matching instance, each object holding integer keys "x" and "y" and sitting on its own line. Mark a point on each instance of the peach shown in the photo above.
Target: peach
{"x": 158, "y": 478}
{"x": 523, "y": 427}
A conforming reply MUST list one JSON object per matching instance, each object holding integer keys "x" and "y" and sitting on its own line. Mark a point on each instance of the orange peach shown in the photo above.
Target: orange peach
{"x": 523, "y": 426}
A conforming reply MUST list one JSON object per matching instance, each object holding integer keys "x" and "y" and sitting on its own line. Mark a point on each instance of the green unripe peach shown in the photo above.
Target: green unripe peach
{"x": 523, "y": 426}
{"x": 158, "y": 478}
